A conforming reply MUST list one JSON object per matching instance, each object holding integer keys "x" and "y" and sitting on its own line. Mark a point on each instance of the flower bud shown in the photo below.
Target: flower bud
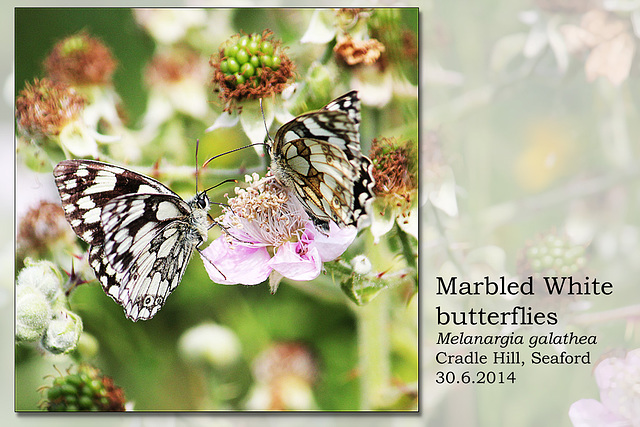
{"x": 361, "y": 264}
{"x": 33, "y": 313}
{"x": 63, "y": 333}
{"x": 43, "y": 276}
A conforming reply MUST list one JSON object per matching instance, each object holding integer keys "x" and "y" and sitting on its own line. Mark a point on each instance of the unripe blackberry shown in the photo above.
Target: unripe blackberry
{"x": 86, "y": 390}
{"x": 249, "y": 49}
{"x": 551, "y": 255}
{"x": 251, "y": 66}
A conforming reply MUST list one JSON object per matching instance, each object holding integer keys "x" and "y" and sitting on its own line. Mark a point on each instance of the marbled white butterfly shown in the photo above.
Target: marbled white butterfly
{"x": 141, "y": 233}
{"x": 317, "y": 155}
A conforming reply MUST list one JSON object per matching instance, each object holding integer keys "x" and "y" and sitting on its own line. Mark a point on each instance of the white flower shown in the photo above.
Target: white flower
{"x": 210, "y": 343}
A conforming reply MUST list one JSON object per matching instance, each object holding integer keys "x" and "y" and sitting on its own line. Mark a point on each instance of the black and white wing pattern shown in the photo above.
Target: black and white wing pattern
{"x": 141, "y": 233}
{"x": 317, "y": 156}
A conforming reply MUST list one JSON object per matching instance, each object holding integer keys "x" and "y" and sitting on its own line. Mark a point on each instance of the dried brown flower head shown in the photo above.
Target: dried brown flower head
{"x": 394, "y": 168}
{"x": 41, "y": 227}
{"x": 44, "y": 107}
{"x": 80, "y": 59}
{"x": 173, "y": 66}
{"x": 355, "y": 52}
{"x": 284, "y": 359}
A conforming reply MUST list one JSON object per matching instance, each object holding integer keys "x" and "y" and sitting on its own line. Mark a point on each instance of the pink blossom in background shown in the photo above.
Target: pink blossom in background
{"x": 619, "y": 382}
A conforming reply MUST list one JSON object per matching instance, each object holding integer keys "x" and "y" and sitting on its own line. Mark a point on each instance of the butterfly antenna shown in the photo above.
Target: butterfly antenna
{"x": 266, "y": 129}
{"x": 231, "y": 151}
{"x": 268, "y": 137}
{"x": 197, "y": 171}
{"x": 220, "y": 183}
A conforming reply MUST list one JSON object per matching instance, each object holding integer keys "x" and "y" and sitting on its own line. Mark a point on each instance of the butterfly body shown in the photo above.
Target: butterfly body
{"x": 317, "y": 156}
{"x": 141, "y": 234}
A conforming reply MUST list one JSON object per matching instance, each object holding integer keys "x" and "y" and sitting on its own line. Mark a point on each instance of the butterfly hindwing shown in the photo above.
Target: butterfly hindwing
{"x": 317, "y": 155}
{"x": 131, "y": 221}
{"x": 156, "y": 272}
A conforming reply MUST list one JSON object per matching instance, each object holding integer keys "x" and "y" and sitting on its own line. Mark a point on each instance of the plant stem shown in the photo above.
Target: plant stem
{"x": 373, "y": 351}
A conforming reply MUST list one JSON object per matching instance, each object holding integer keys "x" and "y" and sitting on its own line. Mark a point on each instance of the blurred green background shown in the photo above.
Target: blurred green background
{"x": 116, "y": 27}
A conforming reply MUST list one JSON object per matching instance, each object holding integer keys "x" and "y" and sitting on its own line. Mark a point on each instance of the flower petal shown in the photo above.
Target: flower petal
{"x": 76, "y": 138}
{"x": 444, "y": 197}
{"x": 409, "y": 223}
{"x": 382, "y": 220}
{"x": 617, "y": 379}
{"x": 224, "y": 120}
{"x": 288, "y": 261}
{"x": 591, "y": 413}
{"x": 239, "y": 264}
{"x": 320, "y": 29}
{"x": 332, "y": 246}
{"x": 253, "y": 123}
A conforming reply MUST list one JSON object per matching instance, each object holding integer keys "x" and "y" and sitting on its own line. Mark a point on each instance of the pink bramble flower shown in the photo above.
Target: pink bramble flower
{"x": 269, "y": 235}
{"x": 619, "y": 382}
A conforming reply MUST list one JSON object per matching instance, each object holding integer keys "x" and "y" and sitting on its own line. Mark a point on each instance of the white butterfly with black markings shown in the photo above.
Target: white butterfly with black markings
{"x": 141, "y": 233}
{"x": 317, "y": 156}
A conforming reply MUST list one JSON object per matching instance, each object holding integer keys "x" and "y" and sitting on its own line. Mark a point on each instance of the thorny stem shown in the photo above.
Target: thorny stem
{"x": 407, "y": 252}
{"x": 503, "y": 213}
{"x": 373, "y": 319}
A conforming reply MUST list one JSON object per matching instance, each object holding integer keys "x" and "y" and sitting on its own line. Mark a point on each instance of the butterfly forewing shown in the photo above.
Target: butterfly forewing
{"x": 141, "y": 233}
{"x": 85, "y": 186}
{"x": 317, "y": 155}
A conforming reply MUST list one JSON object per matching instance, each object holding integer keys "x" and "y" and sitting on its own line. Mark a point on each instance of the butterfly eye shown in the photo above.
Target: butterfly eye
{"x": 203, "y": 201}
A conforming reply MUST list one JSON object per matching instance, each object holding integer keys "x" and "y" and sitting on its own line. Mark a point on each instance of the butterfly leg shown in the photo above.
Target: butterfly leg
{"x": 214, "y": 266}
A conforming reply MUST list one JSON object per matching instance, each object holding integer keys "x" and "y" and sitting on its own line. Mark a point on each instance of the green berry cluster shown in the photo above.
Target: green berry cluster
{"x": 552, "y": 255}
{"x": 248, "y": 57}
{"x": 85, "y": 390}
